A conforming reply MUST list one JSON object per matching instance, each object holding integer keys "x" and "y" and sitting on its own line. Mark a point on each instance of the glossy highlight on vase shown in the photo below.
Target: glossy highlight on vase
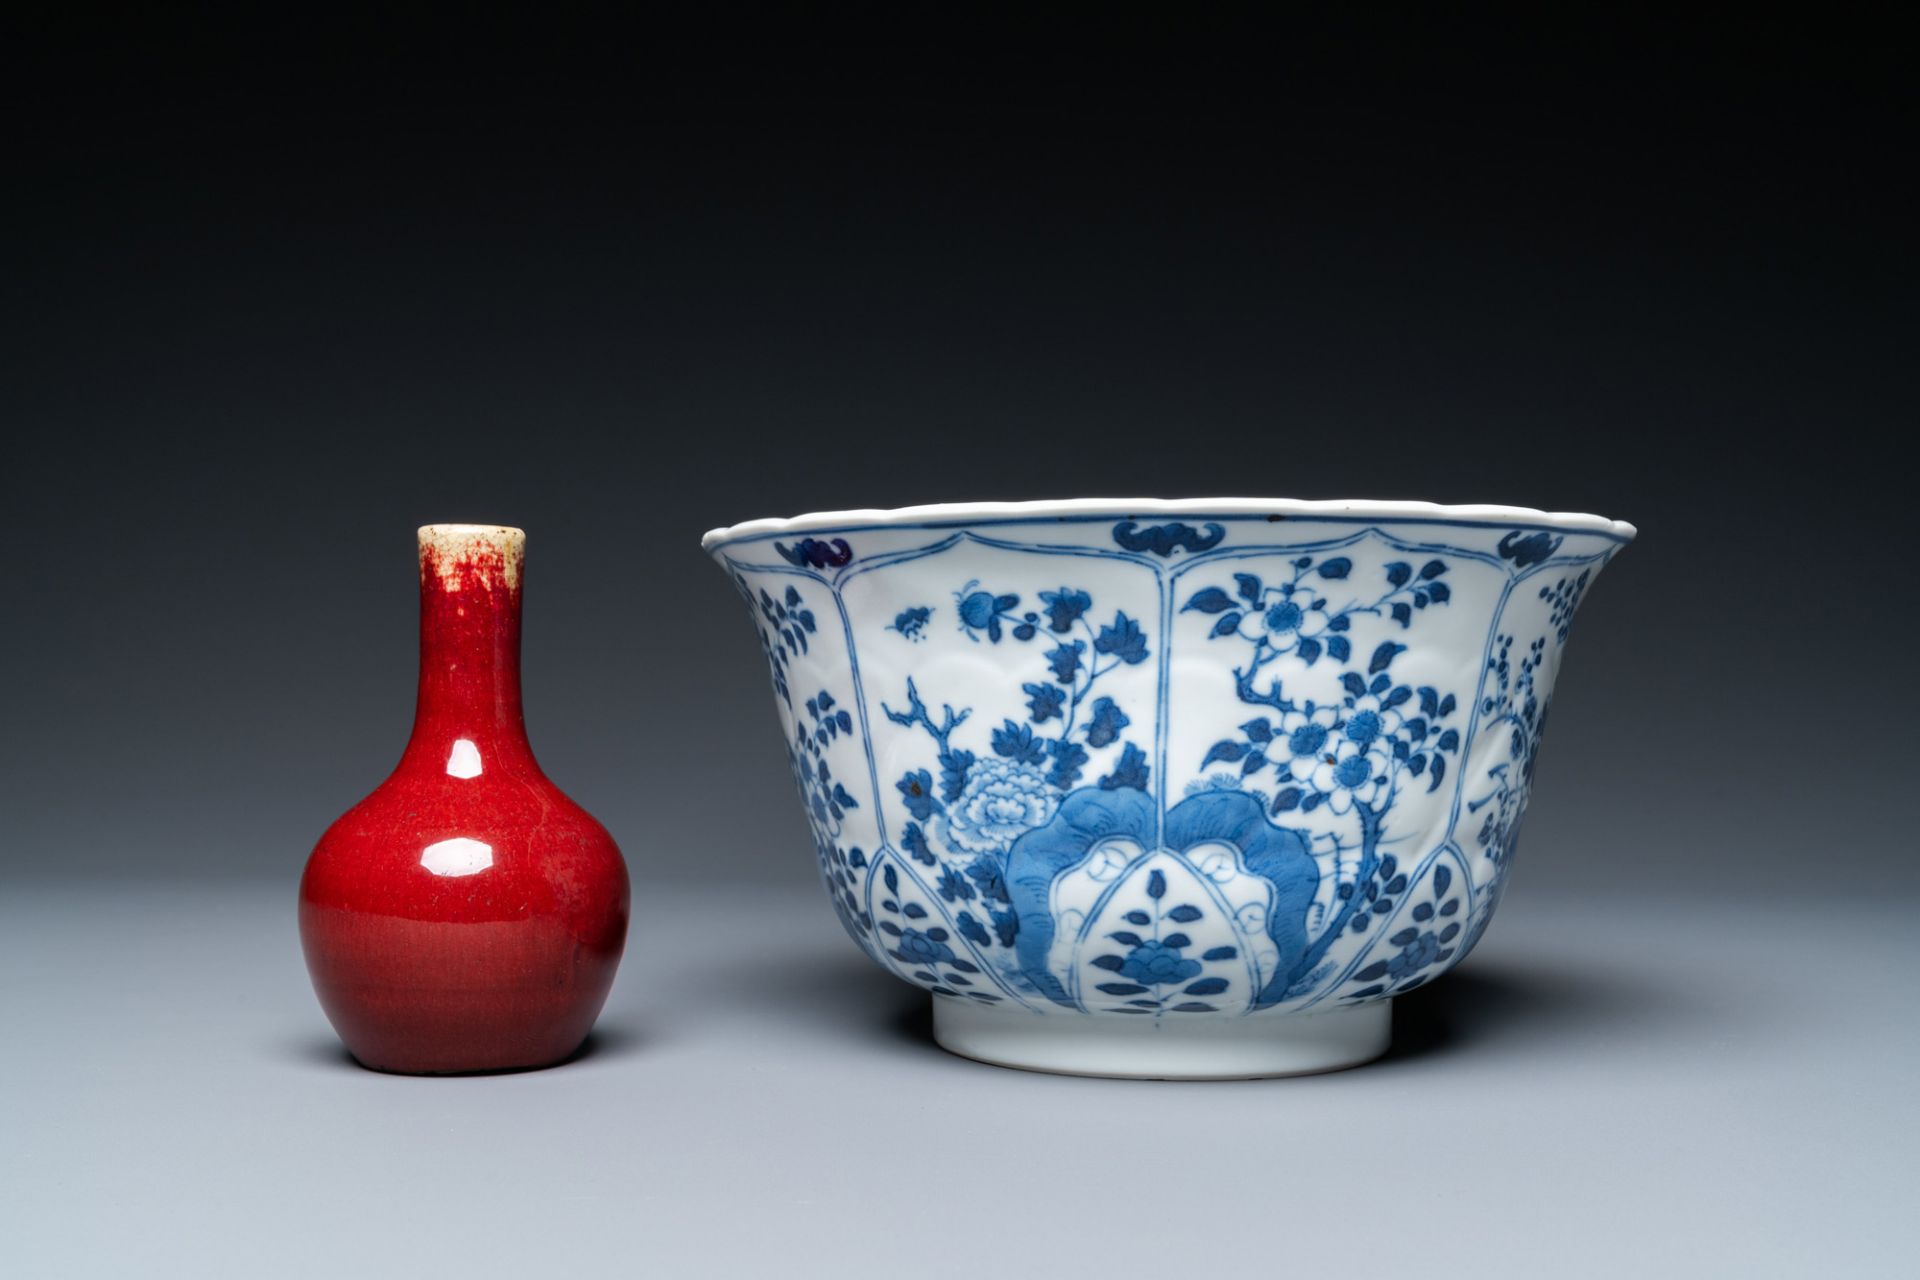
{"x": 466, "y": 916}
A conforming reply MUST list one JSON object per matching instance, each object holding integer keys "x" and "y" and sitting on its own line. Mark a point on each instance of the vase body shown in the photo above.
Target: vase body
{"x": 1174, "y": 789}
{"x": 465, "y": 916}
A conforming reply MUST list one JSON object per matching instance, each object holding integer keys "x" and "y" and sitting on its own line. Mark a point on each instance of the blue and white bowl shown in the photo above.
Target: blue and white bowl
{"x": 1166, "y": 788}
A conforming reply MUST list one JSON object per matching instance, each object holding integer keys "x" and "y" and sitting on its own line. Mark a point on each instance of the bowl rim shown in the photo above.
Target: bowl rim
{"x": 961, "y": 513}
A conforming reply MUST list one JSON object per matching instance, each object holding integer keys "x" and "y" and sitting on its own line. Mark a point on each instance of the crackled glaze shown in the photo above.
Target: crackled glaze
{"x": 466, "y": 916}
{"x": 1166, "y": 763}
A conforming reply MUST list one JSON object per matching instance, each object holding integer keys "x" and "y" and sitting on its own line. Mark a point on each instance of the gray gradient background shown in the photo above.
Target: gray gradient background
{"x": 274, "y": 300}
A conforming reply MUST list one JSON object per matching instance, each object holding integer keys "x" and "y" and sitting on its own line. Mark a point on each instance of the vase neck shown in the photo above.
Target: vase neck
{"x": 468, "y": 719}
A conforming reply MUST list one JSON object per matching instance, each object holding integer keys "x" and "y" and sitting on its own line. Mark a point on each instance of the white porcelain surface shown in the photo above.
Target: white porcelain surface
{"x": 1151, "y": 787}
{"x": 1155, "y": 1049}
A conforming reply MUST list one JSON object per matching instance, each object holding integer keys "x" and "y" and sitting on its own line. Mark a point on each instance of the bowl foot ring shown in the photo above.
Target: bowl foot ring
{"x": 1168, "y": 1047}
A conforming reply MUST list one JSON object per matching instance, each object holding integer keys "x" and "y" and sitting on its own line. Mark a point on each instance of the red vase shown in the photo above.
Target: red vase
{"x": 466, "y": 916}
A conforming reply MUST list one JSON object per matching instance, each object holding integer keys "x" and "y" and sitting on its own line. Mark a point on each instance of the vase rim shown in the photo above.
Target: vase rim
{"x": 469, "y": 530}
{"x": 495, "y": 552}
{"x": 953, "y": 513}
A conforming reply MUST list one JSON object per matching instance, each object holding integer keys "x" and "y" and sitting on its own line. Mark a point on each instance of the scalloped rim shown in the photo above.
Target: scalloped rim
{"x": 988, "y": 512}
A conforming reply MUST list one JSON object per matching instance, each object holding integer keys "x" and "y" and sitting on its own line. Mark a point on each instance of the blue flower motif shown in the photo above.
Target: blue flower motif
{"x": 1131, "y": 772}
{"x": 1373, "y": 716}
{"x": 1362, "y": 727}
{"x": 1348, "y": 773}
{"x": 1283, "y": 617}
{"x": 1106, "y": 723}
{"x": 1002, "y": 801}
{"x": 916, "y": 788}
{"x": 1349, "y": 759}
{"x": 954, "y": 886}
{"x": 1069, "y": 758}
{"x": 973, "y": 931}
{"x": 1290, "y": 617}
{"x": 924, "y": 948}
{"x": 1415, "y": 956}
{"x": 1065, "y": 660}
{"x": 1307, "y": 739}
{"x": 1156, "y": 964}
{"x": 1015, "y": 741}
{"x": 1065, "y": 606}
{"x": 914, "y": 841}
{"x": 1124, "y": 640}
{"x": 954, "y": 766}
{"x": 1044, "y": 701}
{"x": 986, "y": 872}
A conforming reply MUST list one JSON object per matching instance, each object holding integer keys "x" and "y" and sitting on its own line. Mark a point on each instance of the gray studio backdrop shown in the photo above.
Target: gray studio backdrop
{"x": 274, "y": 291}
{"x": 211, "y": 623}
{"x": 254, "y": 340}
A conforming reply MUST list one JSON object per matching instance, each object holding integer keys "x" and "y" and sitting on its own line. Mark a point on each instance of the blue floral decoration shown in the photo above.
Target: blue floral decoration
{"x": 1288, "y": 873}
{"x": 1092, "y": 817}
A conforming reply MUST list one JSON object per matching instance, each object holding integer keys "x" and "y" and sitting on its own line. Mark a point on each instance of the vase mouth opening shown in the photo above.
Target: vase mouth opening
{"x": 484, "y": 553}
{"x": 1272, "y": 509}
{"x": 472, "y": 532}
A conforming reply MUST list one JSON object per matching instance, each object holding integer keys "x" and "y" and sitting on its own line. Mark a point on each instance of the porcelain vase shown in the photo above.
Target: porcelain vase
{"x": 1179, "y": 789}
{"x": 466, "y": 916}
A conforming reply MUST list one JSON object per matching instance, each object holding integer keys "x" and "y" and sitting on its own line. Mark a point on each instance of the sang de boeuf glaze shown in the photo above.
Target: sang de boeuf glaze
{"x": 466, "y": 916}
{"x": 1172, "y": 789}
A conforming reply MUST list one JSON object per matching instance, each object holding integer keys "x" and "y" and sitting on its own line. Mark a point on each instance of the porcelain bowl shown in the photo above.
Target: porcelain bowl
{"x": 1176, "y": 789}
